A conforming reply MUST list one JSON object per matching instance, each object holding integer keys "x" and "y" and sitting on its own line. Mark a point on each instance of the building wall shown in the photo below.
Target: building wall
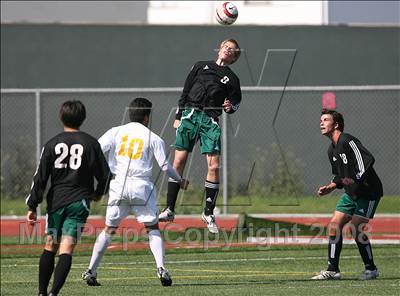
{"x": 105, "y": 12}
{"x": 364, "y": 12}
{"x": 201, "y": 12}
{"x": 250, "y": 12}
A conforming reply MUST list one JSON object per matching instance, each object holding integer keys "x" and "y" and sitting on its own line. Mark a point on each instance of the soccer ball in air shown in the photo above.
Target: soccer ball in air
{"x": 226, "y": 13}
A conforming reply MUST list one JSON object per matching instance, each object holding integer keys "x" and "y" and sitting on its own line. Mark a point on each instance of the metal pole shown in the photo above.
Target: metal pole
{"x": 38, "y": 138}
{"x": 225, "y": 162}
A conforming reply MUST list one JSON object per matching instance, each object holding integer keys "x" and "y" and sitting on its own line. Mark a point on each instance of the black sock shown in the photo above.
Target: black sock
{"x": 364, "y": 247}
{"x": 172, "y": 195}
{"x": 212, "y": 189}
{"x": 46, "y": 267}
{"x": 334, "y": 249}
{"x": 60, "y": 274}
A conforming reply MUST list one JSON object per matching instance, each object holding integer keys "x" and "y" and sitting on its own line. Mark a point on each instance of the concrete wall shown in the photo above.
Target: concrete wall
{"x": 57, "y": 56}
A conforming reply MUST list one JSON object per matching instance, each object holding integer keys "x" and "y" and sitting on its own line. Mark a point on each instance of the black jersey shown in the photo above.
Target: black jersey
{"x": 349, "y": 158}
{"x": 72, "y": 160}
{"x": 207, "y": 86}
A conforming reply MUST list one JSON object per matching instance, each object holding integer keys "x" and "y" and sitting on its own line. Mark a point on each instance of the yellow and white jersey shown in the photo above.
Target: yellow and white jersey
{"x": 131, "y": 148}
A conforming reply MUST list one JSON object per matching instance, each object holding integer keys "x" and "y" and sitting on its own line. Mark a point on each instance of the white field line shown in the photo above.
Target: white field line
{"x": 309, "y": 258}
{"x": 311, "y": 241}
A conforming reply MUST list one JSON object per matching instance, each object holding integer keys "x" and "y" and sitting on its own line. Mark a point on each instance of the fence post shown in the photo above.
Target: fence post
{"x": 38, "y": 137}
{"x": 225, "y": 163}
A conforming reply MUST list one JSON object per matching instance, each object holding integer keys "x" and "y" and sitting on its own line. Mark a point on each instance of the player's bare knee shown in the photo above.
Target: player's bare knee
{"x": 51, "y": 245}
{"x": 213, "y": 168}
{"x": 179, "y": 164}
{"x": 334, "y": 228}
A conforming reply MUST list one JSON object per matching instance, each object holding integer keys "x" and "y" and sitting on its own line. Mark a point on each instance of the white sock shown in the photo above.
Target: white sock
{"x": 102, "y": 242}
{"x": 157, "y": 247}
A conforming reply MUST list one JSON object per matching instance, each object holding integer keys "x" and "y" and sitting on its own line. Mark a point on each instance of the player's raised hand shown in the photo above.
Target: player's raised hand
{"x": 227, "y": 105}
{"x": 176, "y": 124}
{"x": 31, "y": 217}
{"x": 184, "y": 184}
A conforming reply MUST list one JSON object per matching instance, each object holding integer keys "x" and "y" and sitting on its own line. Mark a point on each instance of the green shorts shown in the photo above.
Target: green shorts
{"x": 360, "y": 207}
{"x": 68, "y": 220}
{"x": 197, "y": 125}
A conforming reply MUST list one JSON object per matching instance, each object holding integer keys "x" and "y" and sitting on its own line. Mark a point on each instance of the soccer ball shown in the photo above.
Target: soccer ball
{"x": 226, "y": 13}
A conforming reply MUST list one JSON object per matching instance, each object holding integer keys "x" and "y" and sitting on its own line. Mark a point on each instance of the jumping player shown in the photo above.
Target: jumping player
{"x": 352, "y": 168}
{"x": 210, "y": 87}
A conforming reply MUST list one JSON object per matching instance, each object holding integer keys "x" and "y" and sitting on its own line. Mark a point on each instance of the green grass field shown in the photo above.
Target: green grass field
{"x": 191, "y": 204}
{"x": 238, "y": 271}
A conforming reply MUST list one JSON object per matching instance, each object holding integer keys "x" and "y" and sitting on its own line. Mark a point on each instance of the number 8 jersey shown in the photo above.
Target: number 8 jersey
{"x": 350, "y": 159}
{"x": 72, "y": 160}
{"x": 131, "y": 148}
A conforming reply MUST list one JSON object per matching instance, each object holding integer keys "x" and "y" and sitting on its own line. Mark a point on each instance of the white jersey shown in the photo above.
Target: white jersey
{"x": 131, "y": 148}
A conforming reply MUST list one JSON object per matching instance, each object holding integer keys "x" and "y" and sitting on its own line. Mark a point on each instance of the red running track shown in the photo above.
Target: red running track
{"x": 17, "y": 226}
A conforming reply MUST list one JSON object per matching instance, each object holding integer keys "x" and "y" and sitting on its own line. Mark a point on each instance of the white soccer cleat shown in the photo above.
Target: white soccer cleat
{"x": 166, "y": 215}
{"x": 164, "y": 276}
{"x": 327, "y": 275}
{"x": 369, "y": 275}
{"x": 210, "y": 221}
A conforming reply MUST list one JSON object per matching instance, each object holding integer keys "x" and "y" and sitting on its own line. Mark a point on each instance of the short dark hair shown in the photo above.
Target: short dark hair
{"x": 139, "y": 108}
{"x": 72, "y": 113}
{"x": 337, "y": 117}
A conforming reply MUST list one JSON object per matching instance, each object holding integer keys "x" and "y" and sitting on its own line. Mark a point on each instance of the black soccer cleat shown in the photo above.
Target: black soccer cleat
{"x": 90, "y": 278}
{"x": 164, "y": 276}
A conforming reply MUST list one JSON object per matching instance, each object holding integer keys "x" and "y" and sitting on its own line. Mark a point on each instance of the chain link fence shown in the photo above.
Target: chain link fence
{"x": 287, "y": 159}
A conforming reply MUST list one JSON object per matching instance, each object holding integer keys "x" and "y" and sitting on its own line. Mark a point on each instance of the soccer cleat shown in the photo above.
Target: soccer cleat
{"x": 166, "y": 215}
{"x": 90, "y": 278}
{"x": 210, "y": 221}
{"x": 164, "y": 276}
{"x": 327, "y": 275}
{"x": 369, "y": 274}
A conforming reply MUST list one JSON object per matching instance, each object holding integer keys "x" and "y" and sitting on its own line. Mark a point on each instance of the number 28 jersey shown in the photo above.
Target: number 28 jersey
{"x": 131, "y": 149}
{"x": 71, "y": 160}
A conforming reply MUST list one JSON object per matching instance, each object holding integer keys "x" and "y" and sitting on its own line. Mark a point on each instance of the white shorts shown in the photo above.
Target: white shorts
{"x": 138, "y": 197}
